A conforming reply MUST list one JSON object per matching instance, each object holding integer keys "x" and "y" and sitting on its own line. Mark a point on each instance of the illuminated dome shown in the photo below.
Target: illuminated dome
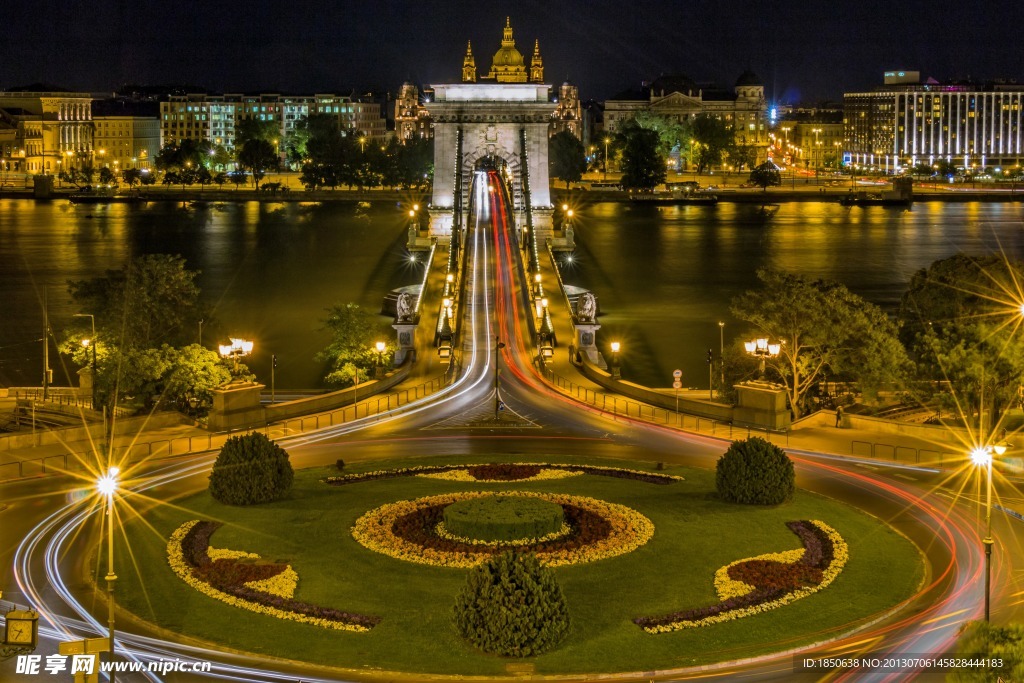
{"x": 508, "y": 65}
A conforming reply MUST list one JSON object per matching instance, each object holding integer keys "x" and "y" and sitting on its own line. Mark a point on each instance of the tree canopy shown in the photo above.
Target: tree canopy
{"x": 712, "y": 137}
{"x": 961, "y": 320}
{"x": 766, "y": 175}
{"x": 258, "y": 156}
{"x": 821, "y": 326}
{"x": 567, "y": 157}
{"x": 643, "y": 167}
{"x": 352, "y": 352}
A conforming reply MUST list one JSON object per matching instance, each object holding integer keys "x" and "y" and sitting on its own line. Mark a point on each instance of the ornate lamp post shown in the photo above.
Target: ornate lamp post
{"x": 87, "y": 343}
{"x": 762, "y": 350}
{"x": 107, "y": 486}
{"x": 721, "y": 356}
{"x": 606, "y": 141}
{"x": 982, "y": 457}
{"x": 235, "y": 350}
{"x": 615, "y": 360}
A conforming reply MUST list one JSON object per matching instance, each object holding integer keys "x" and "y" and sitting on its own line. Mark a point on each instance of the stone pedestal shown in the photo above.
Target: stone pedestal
{"x": 586, "y": 338}
{"x": 543, "y": 226}
{"x": 42, "y": 186}
{"x": 85, "y": 382}
{"x": 236, "y": 406}
{"x": 761, "y": 405}
{"x": 406, "y": 334}
{"x": 441, "y": 222}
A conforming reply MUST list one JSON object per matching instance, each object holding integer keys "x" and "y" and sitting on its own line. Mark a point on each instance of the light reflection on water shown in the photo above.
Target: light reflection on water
{"x": 665, "y": 275}
{"x": 270, "y": 270}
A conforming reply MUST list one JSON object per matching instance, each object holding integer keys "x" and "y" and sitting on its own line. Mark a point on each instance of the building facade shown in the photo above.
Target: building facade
{"x": 53, "y": 131}
{"x": 412, "y": 119}
{"x": 214, "y": 118}
{"x": 126, "y": 133}
{"x": 905, "y": 122}
{"x": 680, "y": 99}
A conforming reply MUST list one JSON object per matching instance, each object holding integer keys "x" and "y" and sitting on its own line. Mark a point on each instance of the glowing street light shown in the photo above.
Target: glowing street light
{"x": 235, "y": 350}
{"x": 379, "y": 370}
{"x": 90, "y": 342}
{"x": 982, "y": 457}
{"x": 615, "y": 346}
{"x": 761, "y": 349}
{"x": 107, "y": 486}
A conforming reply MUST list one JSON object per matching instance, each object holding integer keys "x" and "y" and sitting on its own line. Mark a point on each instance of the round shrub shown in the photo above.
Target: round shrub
{"x": 512, "y": 606}
{"x": 250, "y": 469}
{"x": 755, "y": 472}
{"x": 503, "y": 518}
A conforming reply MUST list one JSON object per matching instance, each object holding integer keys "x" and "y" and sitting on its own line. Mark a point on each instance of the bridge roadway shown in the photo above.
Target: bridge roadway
{"x": 48, "y": 533}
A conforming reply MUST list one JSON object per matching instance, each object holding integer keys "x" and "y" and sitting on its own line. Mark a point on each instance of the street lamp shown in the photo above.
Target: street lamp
{"x": 106, "y": 486}
{"x": 379, "y": 370}
{"x": 721, "y": 356}
{"x": 982, "y": 457}
{"x": 235, "y": 350}
{"x": 362, "y": 144}
{"x": 606, "y": 141}
{"x": 91, "y": 341}
{"x": 615, "y": 360}
{"x": 761, "y": 349}
{"x": 498, "y": 346}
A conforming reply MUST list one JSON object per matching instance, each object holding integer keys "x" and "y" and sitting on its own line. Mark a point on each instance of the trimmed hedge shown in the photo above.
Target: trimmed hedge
{"x": 512, "y": 606}
{"x": 503, "y": 518}
{"x": 755, "y": 472}
{"x": 250, "y": 469}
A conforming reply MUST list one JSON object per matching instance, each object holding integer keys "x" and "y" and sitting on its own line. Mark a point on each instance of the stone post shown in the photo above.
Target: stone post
{"x": 236, "y": 405}
{"x": 761, "y": 405}
{"x": 406, "y": 332}
{"x": 586, "y": 336}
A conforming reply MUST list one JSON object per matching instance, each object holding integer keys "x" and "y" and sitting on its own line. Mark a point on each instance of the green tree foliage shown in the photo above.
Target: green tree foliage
{"x": 131, "y": 176}
{"x": 980, "y": 639}
{"x": 743, "y": 156}
{"x": 961, "y": 320}
{"x": 107, "y": 176}
{"x": 182, "y": 154}
{"x": 566, "y": 157}
{"x": 766, "y": 175}
{"x": 258, "y": 156}
{"x": 712, "y": 139}
{"x": 672, "y": 134}
{"x": 249, "y": 470}
{"x": 643, "y": 167}
{"x": 352, "y": 351}
{"x": 249, "y": 129}
{"x": 755, "y": 472}
{"x": 823, "y": 327}
{"x": 513, "y": 607}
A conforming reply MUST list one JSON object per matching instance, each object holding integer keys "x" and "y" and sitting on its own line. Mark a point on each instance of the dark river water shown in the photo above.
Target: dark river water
{"x": 664, "y": 275}
{"x": 269, "y": 271}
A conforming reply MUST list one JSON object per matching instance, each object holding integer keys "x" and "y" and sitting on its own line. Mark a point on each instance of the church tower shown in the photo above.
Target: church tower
{"x": 536, "y": 64}
{"x": 469, "y": 65}
{"x": 508, "y": 65}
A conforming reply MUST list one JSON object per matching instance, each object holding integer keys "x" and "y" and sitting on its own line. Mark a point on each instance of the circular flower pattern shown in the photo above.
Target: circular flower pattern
{"x": 502, "y": 472}
{"x": 407, "y": 530}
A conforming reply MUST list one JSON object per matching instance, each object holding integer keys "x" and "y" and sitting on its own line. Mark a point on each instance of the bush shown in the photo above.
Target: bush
{"x": 512, "y": 606}
{"x": 755, "y": 472}
{"x": 979, "y": 639}
{"x": 250, "y": 469}
{"x": 503, "y": 518}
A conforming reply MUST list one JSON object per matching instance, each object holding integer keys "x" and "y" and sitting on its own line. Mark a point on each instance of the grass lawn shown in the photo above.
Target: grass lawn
{"x": 695, "y": 534}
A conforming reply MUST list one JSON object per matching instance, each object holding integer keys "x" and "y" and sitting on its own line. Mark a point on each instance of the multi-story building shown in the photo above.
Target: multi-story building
{"x": 53, "y": 131}
{"x": 678, "y": 98}
{"x": 412, "y": 119}
{"x": 568, "y": 115}
{"x": 213, "y": 118}
{"x": 126, "y": 133}
{"x": 809, "y": 137}
{"x": 906, "y": 122}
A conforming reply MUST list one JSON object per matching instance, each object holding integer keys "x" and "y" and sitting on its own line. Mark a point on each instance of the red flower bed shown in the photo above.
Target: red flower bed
{"x": 503, "y": 472}
{"x": 418, "y": 527}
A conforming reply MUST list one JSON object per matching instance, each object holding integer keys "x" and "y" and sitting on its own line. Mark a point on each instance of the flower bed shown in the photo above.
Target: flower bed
{"x": 765, "y": 582}
{"x": 407, "y": 530}
{"x": 503, "y": 472}
{"x": 264, "y": 588}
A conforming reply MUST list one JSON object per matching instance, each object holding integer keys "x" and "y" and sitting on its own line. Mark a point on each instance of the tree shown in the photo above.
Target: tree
{"x": 642, "y": 167}
{"x": 237, "y": 177}
{"x": 354, "y": 333}
{"x": 822, "y": 327}
{"x": 512, "y": 606}
{"x": 416, "y": 163}
{"x": 249, "y": 470}
{"x": 766, "y": 175}
{"x": 567, "y": 158}
{"x": 131, "y": 176}
{"x": 755, "y": 472}
{"x": 961, "y": 321}
{"x": 712, "y": 139}
{"x": 742, "y": 156}
{"x": 249, "y": 129}
{"x": 107, "y": 176}
{"x": 258, "y": 156}
{"x": 151, "y": 301}
{"x": 673, "y": 135}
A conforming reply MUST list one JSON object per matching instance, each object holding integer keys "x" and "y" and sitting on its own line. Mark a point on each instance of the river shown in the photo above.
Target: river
{"x": 664, "y": 275}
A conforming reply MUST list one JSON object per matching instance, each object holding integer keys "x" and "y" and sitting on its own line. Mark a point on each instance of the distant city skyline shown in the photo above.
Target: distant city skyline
{"x": 811, "y": 52}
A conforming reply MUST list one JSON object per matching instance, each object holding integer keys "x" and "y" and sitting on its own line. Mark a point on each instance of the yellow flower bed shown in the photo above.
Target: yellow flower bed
{"x": 442, "y": 531}
{"x": 465, "y": 476}
{"x": 176, "y": 559}
{"x": 728, "y": 587}
{"x": 283, "y": 585}
{"x": 840, "y": 555}
{"x": 630, "y": 530}
{"x": 224, "y": 554}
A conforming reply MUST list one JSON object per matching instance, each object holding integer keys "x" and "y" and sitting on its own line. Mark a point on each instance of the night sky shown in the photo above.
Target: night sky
{"x": 803, "y": 51}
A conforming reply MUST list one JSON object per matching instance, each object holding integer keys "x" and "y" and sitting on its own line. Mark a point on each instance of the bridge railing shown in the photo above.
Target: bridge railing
{"x": 903, "y": 454}
{"x": 625, "y": 407}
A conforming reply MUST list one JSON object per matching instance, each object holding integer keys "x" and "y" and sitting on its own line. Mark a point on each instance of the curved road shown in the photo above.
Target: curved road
{"x": 58, "y": 528}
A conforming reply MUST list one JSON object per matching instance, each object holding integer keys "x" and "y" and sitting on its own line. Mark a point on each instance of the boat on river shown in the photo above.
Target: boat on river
{"x": 874, "y": 199}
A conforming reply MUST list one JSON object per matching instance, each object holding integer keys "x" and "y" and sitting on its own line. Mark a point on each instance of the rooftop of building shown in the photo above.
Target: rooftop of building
{"x": 124, "y": 107}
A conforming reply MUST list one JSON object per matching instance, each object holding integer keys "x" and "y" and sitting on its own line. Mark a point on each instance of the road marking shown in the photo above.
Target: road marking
{"x": 903, "y": 476}
{"x": 943, "y": 617}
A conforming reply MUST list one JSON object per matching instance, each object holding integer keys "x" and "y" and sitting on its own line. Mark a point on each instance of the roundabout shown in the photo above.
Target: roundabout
{"x": 642, "y": 553}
